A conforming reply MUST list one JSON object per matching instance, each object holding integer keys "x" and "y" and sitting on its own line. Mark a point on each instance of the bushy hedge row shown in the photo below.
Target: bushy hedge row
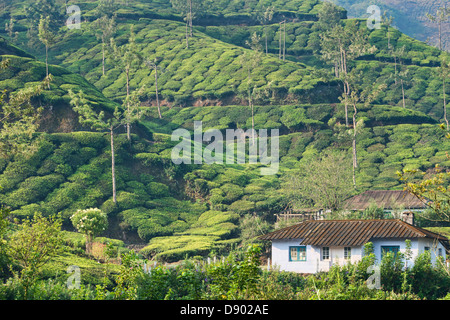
{"x": 209, "y": 69}
{"x": 239, "y": 276}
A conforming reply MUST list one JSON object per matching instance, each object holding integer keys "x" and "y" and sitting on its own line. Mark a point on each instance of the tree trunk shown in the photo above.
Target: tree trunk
{"x": 46, "y": 59}
{"x": 267, "y": 46}
{"x": 127, "y": 71}
{"x": 279, "y": 54}
{"x": 445, "y": 102}
{"x": 88, "y": 243}
{"x": 346, "y": 94}
{"x": 355, "y": 160}
{"x": 346, "y": 84}
{"x": 46, "y": 63}
{"x": 354, "y": 157}
{"x": 113, "y": 165}
{"x": 388, "y": 36}
{"x": 403, "y": 94}
{"x": 253, "y": 122}
{"x": 190, "y": 17}
{"x": 103, "y": 56}
{"x": 156, "y": 88}
{"x": 187, "y": 33}
{"x": 395, "y": 69}
{"x": 284, "y": 41}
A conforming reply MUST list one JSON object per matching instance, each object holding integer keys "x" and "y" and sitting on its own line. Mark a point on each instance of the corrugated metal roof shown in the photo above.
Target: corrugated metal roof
{"x": 387, "y": 199}
{"x": 350, "y": 232}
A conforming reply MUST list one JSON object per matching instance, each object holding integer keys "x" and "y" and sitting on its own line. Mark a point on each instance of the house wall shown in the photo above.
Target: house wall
{"x": 417, "y": 247}
{"x": 314, "y": 262}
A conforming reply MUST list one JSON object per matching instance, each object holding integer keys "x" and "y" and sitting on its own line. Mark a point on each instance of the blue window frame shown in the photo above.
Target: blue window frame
{"x": 325, "y": 253}
{"x": 393, "y": 249}
{"x": 297, "y": 253}
{"x": 347, "y": 253}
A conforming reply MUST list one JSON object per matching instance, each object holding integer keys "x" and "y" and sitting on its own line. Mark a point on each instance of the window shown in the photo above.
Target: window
{"x": 393, "y": 249}
{"x": 347, "y": 253}
{"x": 325, "y": 253}
{"x": 440, "y": 252}
{"x": 297, "y": 253}
{"x": 427, "y": 248}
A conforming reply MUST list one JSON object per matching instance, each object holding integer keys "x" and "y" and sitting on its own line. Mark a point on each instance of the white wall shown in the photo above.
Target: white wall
{"x": 314, "y": 262}
{"x": 280, "y": 257}
{"x": 417, "y": 247}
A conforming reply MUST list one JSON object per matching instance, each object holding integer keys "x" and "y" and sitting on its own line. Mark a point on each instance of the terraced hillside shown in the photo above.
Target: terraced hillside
{"x": 409, "y": 17}
{"x": 24, "y": 70}
{"x": 178, "y": 210}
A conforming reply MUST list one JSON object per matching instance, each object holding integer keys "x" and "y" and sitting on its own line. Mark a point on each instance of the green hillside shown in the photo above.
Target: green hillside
{"x": 403, "y": 12}
{"x": 176, "y": 210}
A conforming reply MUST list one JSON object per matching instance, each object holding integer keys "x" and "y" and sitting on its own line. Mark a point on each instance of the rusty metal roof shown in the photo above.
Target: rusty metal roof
{"x": 387, "y": 199}
{"x": 350, "y": 232}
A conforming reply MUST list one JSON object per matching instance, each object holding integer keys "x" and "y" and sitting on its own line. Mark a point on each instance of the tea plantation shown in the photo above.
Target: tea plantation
{"x": 168, "y": 211}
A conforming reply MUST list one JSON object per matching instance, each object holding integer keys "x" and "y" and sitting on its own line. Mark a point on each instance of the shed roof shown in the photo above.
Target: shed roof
{"x": 387, "y": 199}
{"x": 350, "y": 232}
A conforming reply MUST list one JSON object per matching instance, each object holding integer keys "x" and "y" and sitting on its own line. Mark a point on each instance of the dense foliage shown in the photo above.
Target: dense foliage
{"x": 239, "y": 276}
{"x": 183, "y": 213}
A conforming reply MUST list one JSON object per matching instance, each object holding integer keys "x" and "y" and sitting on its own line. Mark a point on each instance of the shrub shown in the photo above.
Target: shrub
{"x": 428, "y": 281}
{"x": 33, "y": 190}
{"x": 127, "y": 200}
{"x": 91, "y": 222}
{"x": 242, "y": 206}
{"x": 157, "y": 189}
{"x": 232, "y": 192}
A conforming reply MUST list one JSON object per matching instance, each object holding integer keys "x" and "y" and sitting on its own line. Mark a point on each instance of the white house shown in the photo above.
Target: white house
{"x": 315, "y": 245}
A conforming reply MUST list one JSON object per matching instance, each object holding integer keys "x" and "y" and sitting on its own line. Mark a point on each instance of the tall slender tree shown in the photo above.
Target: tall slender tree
{"x": 444, "y": 73}
{"x": 265, "y": 17}
{"x": 35, "y": 10}
{"x": 190, "y": 10}
{"x": 46, "y": 36}
{"x": 282, "y": 41}
{"x": 329, "y": 17}
{"x": 357, "y": 96}
{"x": 9, "y": 28}
{"x": 441, "y": 16}
{"x": 341, "y": 46}
{"x": 387, "y": 21}
{"x": 153, "y": 64}
{"x": 128, "y": 58}
{"x": 404, "y": 77}
{"x": 250, "y": 60}
{"x": 98, "y": 121}
{"x": 104, "y": 28}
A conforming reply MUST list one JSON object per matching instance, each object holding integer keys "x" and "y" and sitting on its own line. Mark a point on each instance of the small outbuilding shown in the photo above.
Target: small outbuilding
{"x": 388, "y": 200}
{"x": 315, "y": 245}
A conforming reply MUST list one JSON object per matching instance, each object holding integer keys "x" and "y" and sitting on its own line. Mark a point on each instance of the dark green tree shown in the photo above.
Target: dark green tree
{"x": 33, "y": 245}
{"x": 19, "y": 119}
